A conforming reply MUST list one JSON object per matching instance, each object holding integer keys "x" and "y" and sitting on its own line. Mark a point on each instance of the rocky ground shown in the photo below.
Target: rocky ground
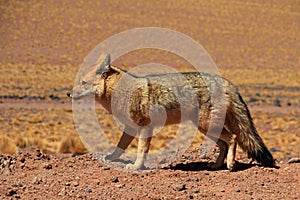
{"x": 30, "y": 174}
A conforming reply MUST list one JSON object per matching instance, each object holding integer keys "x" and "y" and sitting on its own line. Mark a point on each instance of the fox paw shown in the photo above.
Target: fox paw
{"x": 231, "y": 166}
{"x": 111, "y": 157}
{"x": 214, "y": 166}
{"x": 134, "y": 167}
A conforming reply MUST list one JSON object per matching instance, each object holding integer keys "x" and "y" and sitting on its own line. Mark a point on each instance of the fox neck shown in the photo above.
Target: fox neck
{"x": 110, "y": 85}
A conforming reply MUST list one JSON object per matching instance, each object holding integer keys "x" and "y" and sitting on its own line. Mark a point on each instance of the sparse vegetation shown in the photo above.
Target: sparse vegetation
{"x": 72, "y": 144}
{"x": 7, "y": 146}
{"x": 254, "y": 46}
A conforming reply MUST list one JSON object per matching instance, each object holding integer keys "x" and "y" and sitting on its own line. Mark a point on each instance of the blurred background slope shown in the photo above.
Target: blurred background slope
{"x": 254, "y": 43}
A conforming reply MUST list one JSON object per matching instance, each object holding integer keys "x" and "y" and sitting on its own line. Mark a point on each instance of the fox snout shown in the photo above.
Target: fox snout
{"x": 78, "y": 93}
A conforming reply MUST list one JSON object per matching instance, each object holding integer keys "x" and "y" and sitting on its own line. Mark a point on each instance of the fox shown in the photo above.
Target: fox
{"x": 102, "y": 78}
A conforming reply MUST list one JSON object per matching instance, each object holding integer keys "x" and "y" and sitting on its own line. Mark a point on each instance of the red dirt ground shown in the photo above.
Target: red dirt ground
{"x": 33, "y": 175}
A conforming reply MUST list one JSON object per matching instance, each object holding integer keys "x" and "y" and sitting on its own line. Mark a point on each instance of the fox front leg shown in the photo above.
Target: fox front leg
{"x": 143, "y": 149}
{"x": 127, "y": 137}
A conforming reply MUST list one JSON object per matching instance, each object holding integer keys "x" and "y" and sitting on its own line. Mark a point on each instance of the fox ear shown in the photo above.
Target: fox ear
{"x": 104, "y": 66}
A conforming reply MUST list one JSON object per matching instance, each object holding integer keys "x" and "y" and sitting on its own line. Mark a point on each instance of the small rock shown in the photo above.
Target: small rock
{"x": 67, "y": 184}
{"x": 5, "y": 171}
{"x": 273, "y": 150}
{"x": 252, "y": 99}
{"x": 38, "y": 153}
{"x": 106, "y": 168}
{"x": 11, "y": 192}
{"x": 193, "y": 179}
{"x": 23, "y": 159}
{"x": 75, "y": 183}
{"x": 89, "y": 190}
{"x": 276, "y": 102}
{"x": 115, "y": 180}
{"x": 48, "y": 166}
{"x": 22, "y": 166}
{"x": 238, "y": 190}
{"x": 61, "y": 193}
{"x": 36, "y": 181}
{"x": 294, "y": 160}
{"x": 223, "y": 190}
{"x": 179, "y": 187}
{"x": 120, "y": 185}
{"x": 74, "y": 155}
{"x": 196, "y": 191}
{"x": 19, "y": 185}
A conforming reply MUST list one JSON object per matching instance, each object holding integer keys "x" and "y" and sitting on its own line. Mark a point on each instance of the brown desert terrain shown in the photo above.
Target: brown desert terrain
{"x": 255, "y": 45}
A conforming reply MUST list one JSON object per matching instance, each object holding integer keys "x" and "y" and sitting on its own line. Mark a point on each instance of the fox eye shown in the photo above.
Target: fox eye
{"x": 83, "y": 82}
{"x": 104, "y": 74}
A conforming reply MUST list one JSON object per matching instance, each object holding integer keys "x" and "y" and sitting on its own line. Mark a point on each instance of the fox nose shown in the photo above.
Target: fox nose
{"x": 68, "y": 94}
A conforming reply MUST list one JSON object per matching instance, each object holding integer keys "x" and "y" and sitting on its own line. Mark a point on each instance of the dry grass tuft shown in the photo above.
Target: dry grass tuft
{"x": 72, "y": 145}
{"x": 7, "y": 146}
{"x": 32, "y": 142}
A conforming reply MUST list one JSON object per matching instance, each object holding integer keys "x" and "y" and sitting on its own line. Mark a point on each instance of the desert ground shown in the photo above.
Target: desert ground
{"x": 255, "y": 44}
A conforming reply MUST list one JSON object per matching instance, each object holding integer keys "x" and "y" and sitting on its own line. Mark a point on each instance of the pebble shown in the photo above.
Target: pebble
{"x": 22, "y": 166}
{"x": 141, "y": 176}
{"x": 276, "y": 102}
{"x": 19, "y": 185}
{"x": 252, "y": 99}
{"x": 89, "y": 190}
{"x": 75, "y": 183}
{"x": 196, "y": 191}
{"x": 179, "y": 187}
{"x": 38, "y": 153}
{"x": 11, "y": 192}
{"x": 294, "y": 160}
{"x": 36, "y": 181}
{"x": 115, "y": 180}
{"x": 48, "y": 166}
{"x": 119, "y": 185}
{"x": 193, "y": 179}
{"x": 23, "y": 159}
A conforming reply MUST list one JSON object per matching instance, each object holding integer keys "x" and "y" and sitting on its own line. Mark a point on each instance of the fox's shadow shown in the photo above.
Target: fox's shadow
{"x": 204, "y": 166}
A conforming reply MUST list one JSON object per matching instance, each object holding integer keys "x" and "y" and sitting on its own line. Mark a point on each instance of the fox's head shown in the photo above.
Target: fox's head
{"x": 93, "y": 80}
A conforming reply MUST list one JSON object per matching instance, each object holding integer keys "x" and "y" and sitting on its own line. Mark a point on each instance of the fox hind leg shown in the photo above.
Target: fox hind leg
{"x": 231, "y": 153}
{"x": 222, "y": 155}
{"x": 227, "y": 144}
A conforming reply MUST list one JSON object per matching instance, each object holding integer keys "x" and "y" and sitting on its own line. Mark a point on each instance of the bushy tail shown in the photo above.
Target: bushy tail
{"x": 248, "y": 138}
